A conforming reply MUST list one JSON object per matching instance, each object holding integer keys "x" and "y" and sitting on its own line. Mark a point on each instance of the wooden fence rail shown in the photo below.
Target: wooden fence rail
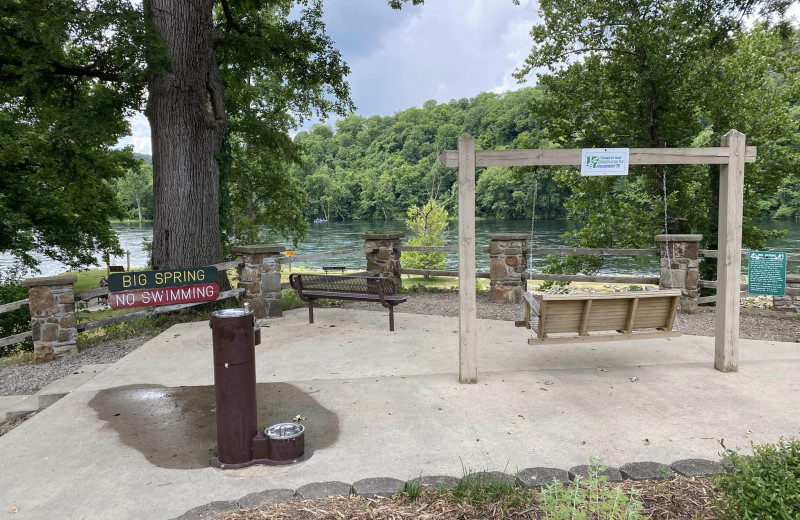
{"x": 8, "y": 307}
{"x": 711, "y": 284}
{"x": 17, "y": 338}
{"x": 590, "y": 251}
{"x": 152, "y": 311}
{"x": 713, "y": 253}
{"x": 325, "y": 254}
{"x": 653, "y": 280}
{"x": 437, "y": 272}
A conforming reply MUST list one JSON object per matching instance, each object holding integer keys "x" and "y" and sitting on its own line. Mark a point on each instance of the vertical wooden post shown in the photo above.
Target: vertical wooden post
{"x": 467, "y": 314}
{"x": 729, "y": 261}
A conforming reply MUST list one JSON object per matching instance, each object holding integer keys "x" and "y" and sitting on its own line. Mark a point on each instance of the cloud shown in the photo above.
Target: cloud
{"x": 442, "y": 50}
{"x": 140, "y": 135}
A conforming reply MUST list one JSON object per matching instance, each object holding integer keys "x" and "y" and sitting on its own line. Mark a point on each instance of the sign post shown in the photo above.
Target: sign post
{"x": 766, "y": 273}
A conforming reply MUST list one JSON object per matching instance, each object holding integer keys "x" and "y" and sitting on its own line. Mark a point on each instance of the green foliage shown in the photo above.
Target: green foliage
{"x": 69, "y": 76}
{"x": 71, "y": 72}
{"x": 764, "y": 485}
{"x": 411, "y": 490}
{"x": 279, "y": 68}
{"x": 429, "y": 225}
{"x": 656, "y": 74}
{"x": 14, "y": 322}
{"x": 290, "y": 300}
{"x": 481, "y": 488}
{"x": 378, "y": 167}
{"x": 135, "y": 190}
{"x": 591, "y": 497}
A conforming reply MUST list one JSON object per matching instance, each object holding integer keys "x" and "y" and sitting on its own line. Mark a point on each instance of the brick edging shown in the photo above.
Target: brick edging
{"x": 535, "y": 477}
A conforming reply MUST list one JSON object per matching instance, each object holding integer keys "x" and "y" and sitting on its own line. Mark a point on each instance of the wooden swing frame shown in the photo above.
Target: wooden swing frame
{"x": 731, "y": 156}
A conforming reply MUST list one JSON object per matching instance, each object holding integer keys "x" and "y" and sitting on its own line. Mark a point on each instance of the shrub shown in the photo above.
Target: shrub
{"x": 14, "y": 322}
{"x": 290, "y": 300}
{"x": 764, "y": 485}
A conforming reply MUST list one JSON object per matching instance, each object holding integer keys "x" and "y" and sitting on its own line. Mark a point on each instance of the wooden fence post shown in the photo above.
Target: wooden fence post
{"x": 729, "y": 261}
{"x": 467, "y": 315}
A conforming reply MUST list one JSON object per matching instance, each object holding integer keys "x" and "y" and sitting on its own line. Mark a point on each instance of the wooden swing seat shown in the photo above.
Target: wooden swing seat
{"x": 610, "y": 316}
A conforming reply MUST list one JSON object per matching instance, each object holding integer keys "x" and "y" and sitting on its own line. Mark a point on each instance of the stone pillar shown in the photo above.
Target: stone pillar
{"x": 788, "y": 303}
{"x": 385, "y": 257}
{"x": 507, "y": 263}
{"x": 54, "y": 325}
{"x": 680, "y": 267}
{"x": 260, "y": 277}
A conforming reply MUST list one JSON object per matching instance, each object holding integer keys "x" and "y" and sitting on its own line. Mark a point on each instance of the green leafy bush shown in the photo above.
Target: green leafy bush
{"x": 14, "y": 322}
{"x": 290, "y": 300}
{"x": 764, "y": 485}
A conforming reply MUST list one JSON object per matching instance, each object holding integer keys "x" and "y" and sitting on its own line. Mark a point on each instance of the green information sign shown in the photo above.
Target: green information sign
{"x": 766, "y": 273}
{"x": 162, "y": 278}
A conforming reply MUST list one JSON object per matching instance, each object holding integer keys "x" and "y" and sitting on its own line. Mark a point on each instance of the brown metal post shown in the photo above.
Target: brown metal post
{"x": 234, "y": 384}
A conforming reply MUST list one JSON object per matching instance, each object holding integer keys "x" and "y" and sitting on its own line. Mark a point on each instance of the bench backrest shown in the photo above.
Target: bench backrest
{"x": 611, "y": 311}
{"x": 342, "y": 283}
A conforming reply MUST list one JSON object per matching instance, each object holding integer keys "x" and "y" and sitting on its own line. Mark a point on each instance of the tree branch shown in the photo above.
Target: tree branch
{"x": 229, "y": 17}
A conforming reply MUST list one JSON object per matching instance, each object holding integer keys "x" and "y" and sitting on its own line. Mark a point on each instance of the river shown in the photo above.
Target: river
{"x": 347, "y": 235}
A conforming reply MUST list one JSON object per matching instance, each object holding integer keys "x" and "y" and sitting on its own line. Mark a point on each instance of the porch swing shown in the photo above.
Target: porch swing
{"x": 615, "y": 316}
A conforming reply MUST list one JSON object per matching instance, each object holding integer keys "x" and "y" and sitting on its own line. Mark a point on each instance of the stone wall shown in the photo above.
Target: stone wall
{"x": 54, "y": 324}
{"x": 384, "y": 260}
{"x": 507, "y": 264}
{"x": 260, "y": 277}
{"x": 680, "y": 267}
{"x": 788, "y": 303}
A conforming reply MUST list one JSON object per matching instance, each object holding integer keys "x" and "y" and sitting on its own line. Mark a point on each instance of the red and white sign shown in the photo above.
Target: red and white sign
{"x": 163, "y": 296}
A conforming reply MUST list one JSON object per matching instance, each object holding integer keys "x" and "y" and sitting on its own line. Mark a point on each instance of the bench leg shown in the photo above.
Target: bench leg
{"x": 310, "y": 310}
{"x": 391, "y": 318}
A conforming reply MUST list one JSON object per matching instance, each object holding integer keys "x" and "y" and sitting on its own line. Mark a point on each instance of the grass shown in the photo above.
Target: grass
{"x": 148, "y": 325}
{"x": 17, "y": 358}
{"x": 87, "y": 279}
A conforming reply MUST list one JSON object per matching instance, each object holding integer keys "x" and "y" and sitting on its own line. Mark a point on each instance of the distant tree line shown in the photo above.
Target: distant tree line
{"x": 378, "y": 167}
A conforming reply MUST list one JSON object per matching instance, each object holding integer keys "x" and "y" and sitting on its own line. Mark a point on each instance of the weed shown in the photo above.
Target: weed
{"x": 411, "y": 490}
{"x": 481, "y": 488}
{"x": 591, "y": 497}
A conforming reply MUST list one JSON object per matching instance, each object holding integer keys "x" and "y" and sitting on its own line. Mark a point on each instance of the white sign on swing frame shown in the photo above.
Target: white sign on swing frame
{"x": 604, "y": 161}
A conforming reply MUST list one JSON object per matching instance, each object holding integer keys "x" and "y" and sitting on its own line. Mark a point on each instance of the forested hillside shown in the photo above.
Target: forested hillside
{"x": 378, "y": 167}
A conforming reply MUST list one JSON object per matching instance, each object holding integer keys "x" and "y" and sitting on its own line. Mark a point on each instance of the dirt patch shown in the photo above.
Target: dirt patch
{"x": 175, "y": 428}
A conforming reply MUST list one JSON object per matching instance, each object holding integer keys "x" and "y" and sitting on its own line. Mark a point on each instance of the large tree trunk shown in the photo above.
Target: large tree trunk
{"x": 186, "y": 111}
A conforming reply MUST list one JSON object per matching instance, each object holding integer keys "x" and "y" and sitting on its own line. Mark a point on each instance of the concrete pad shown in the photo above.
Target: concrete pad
{"x": 9, "y": 402}
{"x": 58, "y": 389}
{"x": 134, "y": 441}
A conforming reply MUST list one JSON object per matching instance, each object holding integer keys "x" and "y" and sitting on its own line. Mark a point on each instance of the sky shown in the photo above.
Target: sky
{"x": 442, "y": 50}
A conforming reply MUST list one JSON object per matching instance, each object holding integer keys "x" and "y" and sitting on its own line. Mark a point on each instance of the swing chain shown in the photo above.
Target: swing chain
{"x": 666, "y": 227}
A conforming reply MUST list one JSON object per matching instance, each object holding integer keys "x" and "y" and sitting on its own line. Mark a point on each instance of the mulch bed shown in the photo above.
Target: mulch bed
{"x": 680, "y": 498}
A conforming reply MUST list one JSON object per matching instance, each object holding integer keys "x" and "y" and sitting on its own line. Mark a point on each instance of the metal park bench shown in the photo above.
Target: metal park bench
{"x": 312, "y": 287}
{"x": 618, "y": 316}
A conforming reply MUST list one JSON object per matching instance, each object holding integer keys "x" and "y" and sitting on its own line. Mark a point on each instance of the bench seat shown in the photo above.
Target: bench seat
{"x": 312, "y": 287}
{"x": 574, "y": 318}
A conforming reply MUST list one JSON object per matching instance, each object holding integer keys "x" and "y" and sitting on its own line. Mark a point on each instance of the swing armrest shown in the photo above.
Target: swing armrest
{"x": 532, "y": 302}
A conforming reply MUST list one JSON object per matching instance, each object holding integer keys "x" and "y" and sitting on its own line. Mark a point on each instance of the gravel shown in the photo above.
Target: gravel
{"x": 29, "y": 379}
{"x": 753, "y": 323}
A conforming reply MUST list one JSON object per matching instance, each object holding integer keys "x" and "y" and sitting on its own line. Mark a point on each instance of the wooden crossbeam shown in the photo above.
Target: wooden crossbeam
{"x": 572, "y": 157}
